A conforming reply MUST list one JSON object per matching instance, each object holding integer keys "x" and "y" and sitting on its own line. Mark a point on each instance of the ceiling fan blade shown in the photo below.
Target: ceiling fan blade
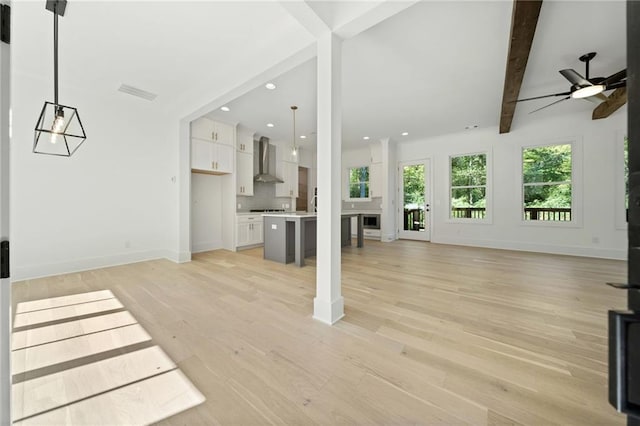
{"x": 615, "y": 78}
{"x": 544, "y": 96}
{"x": 613, "y": 103}
{"x": 597, "y": 99}
{"x": 552, "y": 103}
{"x": 617, "y": 85}
{"x": 575, "y": 78}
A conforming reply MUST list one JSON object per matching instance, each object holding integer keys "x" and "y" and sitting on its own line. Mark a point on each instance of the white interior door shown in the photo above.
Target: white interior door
{"x": 5, "y": 284}
{"x": 414, "y": 215}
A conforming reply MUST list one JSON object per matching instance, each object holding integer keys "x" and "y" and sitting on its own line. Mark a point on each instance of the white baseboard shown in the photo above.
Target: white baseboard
{"x": 206, "y": 246}
{"x": 177, "y": 256}
{"x": 19, "y": 273}
{"x": 599, "y": 252}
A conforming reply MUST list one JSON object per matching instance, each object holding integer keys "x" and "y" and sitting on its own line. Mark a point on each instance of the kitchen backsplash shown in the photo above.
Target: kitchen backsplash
{"x": 374, "y": 204}
{"x": 264, "y": 197}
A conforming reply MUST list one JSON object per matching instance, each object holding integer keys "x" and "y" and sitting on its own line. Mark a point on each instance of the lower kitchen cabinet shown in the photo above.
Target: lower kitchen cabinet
{"x": 249, "y": 230}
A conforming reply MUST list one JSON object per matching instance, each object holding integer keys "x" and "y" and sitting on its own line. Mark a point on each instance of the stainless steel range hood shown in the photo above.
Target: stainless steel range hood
{"x": 264, "y": 171}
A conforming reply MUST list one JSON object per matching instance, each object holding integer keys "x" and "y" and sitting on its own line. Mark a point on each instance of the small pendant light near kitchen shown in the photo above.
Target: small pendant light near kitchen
{"x": 294, "y": 148}
{"x": 59, "y": 130}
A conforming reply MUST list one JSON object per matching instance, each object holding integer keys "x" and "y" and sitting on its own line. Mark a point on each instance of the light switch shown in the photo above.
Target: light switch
{"x": 274, "y": 226}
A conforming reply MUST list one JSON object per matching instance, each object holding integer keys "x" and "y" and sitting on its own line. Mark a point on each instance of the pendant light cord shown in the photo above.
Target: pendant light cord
{"x": 294, "y": 108}
{"x": 55, "y": 52}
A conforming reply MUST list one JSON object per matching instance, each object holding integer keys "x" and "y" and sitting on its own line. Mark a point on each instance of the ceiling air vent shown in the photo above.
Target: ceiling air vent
{"x": 137, "y": 92}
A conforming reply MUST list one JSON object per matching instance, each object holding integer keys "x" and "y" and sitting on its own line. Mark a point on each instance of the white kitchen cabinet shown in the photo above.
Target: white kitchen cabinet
{"x": 285, "y": 153}
{"x": 375, "y": 180}
{"x": 244, "y": 142}
{"x": 213, "y": 131}
{"x": 212, "y": 158}
{"x": 224, "y": 133}
{"x": 289, "y": 173}
{"x": 249, "y": 230}
{"x": 376, "y": 152}
{"x": 244, "y": 173}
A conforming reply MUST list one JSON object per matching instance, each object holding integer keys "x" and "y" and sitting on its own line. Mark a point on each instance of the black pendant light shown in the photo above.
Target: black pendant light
{"x": 59, "y": 130}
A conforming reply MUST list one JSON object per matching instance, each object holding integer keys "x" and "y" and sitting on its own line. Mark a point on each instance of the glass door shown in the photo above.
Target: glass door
{"x": 414, "y": 210}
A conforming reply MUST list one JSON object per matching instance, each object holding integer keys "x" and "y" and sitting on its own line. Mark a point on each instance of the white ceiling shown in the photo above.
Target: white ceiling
{"x": 431, "y": 69}
{"x": 438, "y": 67}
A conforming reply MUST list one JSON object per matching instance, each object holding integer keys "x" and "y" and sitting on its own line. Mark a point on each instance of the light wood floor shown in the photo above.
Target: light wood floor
{"x": 433, "y": 334}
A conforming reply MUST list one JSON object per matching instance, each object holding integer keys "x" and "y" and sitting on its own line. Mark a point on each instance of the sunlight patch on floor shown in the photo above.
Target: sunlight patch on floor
{"x": 82, "y": 359}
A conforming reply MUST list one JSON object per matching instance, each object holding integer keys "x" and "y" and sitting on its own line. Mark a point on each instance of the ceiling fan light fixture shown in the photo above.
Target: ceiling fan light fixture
{"x": 585, "y": 92}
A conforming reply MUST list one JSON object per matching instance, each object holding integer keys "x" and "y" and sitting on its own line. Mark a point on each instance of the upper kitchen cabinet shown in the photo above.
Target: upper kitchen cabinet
{"x": 210, "y": 157}
{"x": 209, "y": 130}
{"x": 212, "y": 147}
{"x": 376, "y": 152}
{"x": 244, "y": 175}
{"x": 244, "y": 161}
{"x": 289, "y": 173}
{"x": 286, "y": 154}
{"x": 375, "y": 180}
{"x": 244, "y": 141}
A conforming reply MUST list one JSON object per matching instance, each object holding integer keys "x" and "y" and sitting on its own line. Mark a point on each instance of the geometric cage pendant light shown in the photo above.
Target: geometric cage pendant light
{"x": 59, "y": 130}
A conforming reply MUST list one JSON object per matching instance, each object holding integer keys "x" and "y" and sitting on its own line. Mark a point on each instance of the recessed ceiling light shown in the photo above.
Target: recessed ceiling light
{"x": 270, "y": 125}
{"x": 270, "y": 86}
{"x": 303, "y": 137}
{"x": 405, "y": 133}
{"x": 225, "y": 108}
{"x": 366, "y": 138}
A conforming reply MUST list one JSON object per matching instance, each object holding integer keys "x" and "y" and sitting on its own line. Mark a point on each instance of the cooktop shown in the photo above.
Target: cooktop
{"x": 266, "y": 210}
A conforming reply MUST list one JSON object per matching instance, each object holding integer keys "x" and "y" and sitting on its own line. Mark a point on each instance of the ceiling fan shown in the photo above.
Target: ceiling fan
{"x": 591, "y": 89}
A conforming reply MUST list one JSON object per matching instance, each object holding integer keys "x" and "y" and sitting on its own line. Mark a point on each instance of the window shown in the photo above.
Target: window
{"x": 468, "y": 186}
{"x": 547, "y": 182}
{"x": 359, "y": 182}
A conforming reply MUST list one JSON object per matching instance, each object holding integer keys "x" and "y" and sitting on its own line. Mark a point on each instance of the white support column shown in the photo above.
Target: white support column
{"x": 328, "y": 305}
{"x": 5, "y": 284}
{"x": 389, "y": 223}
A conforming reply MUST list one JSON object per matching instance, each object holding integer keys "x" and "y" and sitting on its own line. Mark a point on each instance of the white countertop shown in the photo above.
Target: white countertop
{"x": 305, "y": 213}
{"x": 290, "y": 214}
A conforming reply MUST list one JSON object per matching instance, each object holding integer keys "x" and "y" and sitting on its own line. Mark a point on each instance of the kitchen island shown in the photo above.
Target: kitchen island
{"x": 290, "y": 237}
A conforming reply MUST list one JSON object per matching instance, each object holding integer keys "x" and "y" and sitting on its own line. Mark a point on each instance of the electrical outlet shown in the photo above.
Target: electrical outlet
{"x": 239, "y": 206}
{"x": 274, "y": 226}
{"x": 286, "y": 206}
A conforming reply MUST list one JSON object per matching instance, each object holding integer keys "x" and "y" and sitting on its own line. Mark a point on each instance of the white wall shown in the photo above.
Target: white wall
{"x": 596, "y": 235}
{"x": 206, "y": 212}
{"x": 110, "y": 203}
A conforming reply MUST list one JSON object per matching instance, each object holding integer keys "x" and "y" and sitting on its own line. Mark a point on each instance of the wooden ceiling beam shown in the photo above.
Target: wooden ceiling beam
{"x": 523, "y": 27}
{"x": 615, "y": 100}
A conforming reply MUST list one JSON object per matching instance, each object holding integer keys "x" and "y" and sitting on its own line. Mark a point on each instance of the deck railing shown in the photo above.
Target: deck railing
{"x": 468, "y": 212}
{"x": 414, "y": 218}
{"x": 547, "y": 214}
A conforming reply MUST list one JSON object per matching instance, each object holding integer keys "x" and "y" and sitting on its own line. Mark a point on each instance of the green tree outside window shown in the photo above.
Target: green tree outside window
{"x": 359, "y": 182}
{"x": 546, "y": 176}
{"x": 468, "y": 186}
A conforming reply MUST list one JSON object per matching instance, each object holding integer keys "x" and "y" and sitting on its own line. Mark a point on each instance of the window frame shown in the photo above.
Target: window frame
{"x": 576, "y": 184}
{"x": 348, "y": 184}
{"x": 488, "y": 189}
